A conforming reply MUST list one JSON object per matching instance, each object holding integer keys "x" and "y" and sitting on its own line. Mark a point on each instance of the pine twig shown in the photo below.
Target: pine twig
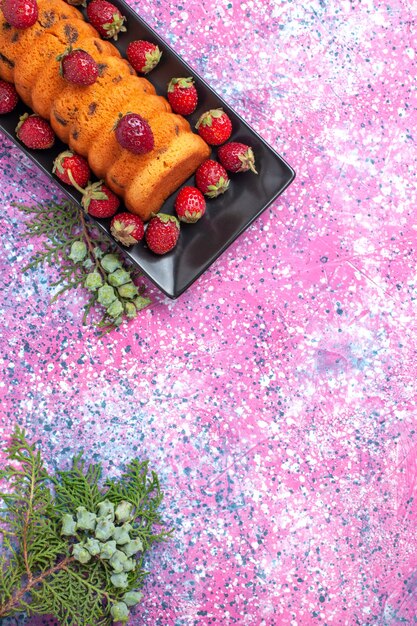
{"x": 63, "y": 532}
{"x": 14, "y": 602}
{"x": 84, "y": 258}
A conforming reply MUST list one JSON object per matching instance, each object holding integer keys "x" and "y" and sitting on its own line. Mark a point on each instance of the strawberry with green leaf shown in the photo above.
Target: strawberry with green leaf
{"x": 143, "y": 55}
{"x": 212, "y": 179}
{"x": 182, "y": 95}
{"x": 106, "y": 19}
{"x": 214, "y": 126}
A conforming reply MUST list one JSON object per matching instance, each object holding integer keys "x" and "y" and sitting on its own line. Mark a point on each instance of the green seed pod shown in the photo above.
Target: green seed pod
{"x": 98, "y": 252}
{"x": 134, "y": 546}
{"x": 93, "y": 281}
{"x": 124, "y": 511}
{"x": 119, "y": 580}
{"x": 132, "y": 597}
{"x": 121, "y": 534}
{"x": 117, "y": 561}
{"x": 141, "y": 302}
{"x": 110, "y": 263}
{"x": 107, "y": 549}
{"x": 85, "y": 519}
{"x": 104, "y": 529}
{"x": 80, "y": 553}
{"x": 93, "y": 546}
{"x": 129, "y": 565}
{"x": 118, "y": 321}
{"x": 106, "y": 509}
{"x": 106, "y": 295}
{"x": 130, "y": 310}
{"x": 69, "y": 525}
{"x": 119, "y": 277}
{"x": 119, "y": 612}
{"x": 129, "y": 290}
{"x": 115, "y": 309}
{"x": 88, "y": 263}
{"x": 78, "y": 251}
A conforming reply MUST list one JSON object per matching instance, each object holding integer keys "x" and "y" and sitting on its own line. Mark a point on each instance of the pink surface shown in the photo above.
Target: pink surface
{"x": 276, "y": 397}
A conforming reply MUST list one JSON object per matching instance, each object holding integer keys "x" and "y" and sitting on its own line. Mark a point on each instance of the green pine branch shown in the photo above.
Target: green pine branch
{"x": 84, "y": 257}
{"x": 72, "y": 546}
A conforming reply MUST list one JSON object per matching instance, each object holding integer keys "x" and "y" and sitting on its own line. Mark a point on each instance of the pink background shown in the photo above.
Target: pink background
{"x": 276, "y": 398}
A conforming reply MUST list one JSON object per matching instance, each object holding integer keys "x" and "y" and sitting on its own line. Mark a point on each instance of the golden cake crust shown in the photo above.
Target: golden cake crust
{"x": 13, "y": 41}
{"x": 49, "y": 84}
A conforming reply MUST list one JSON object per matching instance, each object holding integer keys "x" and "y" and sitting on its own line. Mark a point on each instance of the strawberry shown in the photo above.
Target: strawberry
{"x": 162, "y": 233}
{"x": 134, "y": 133}
{"x": 106, "y": 18}
{"x": 237, "y": 157}
{"x": 70, "y": 168}
{"x": 8, "y": 97}
{"x": 143, "y": 55}
{"x": 98, "y": 200}
{"x": 20, "y": 13}
{"x": 190, "y": 205}
{"x": 127, "y": 228}
{"x": 211, "y": 178}
{"x": 78, "y": 67}
{"x": 182, "y": 95}
{"x": 35, "y": 132}
{"x": 214, "y": 127}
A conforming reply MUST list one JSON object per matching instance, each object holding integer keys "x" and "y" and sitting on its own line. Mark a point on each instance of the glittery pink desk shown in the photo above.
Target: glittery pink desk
{"x": 276, "y": 398}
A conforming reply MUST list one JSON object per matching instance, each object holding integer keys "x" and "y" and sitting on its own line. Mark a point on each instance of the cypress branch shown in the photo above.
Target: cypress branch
{"x": 72, "y": 547}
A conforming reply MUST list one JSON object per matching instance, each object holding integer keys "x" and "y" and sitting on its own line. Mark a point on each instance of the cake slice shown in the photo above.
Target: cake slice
{"x": 50, "y": 84}
{"x": 75, "y": 99}
{"x": 105, "y": 151}
{"x": 101, "y": 118}
{"x": 48, "y": 45}
{"x": 101, "y": 112}
{"x": 162, "y": 176}
{"x": 145, "y": 181}
{"x": 13, "y": 41}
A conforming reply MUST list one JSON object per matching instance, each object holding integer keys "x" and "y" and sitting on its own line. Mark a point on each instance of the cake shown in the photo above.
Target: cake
{"x": 84, "y": 117}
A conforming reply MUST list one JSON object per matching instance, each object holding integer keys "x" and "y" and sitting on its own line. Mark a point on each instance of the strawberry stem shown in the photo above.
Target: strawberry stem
{"x": 74, "y": 183}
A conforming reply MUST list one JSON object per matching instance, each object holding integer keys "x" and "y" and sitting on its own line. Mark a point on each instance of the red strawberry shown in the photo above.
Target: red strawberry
{"x": 214, "y": 127}
{"x": 78, "y": 67}
{"x": 211, "y": 178}
{"x": 98, "y": 200}
{"x": 71, "y": 168}
{"x": 182, "y": 95}
{"x": 134, "y": 133}
{"x": 35, "y": 132}
{"x": 143, "y": 55}
{"x": 190, "y": 205}
{"x": 8, "y": 97}
{"x": 106, "y": 18}
{"x": 162, "y": 233}
{"x": 20, "y": 13}
{"x": 127, "y": 228}
{"x": 237, "y": 157}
